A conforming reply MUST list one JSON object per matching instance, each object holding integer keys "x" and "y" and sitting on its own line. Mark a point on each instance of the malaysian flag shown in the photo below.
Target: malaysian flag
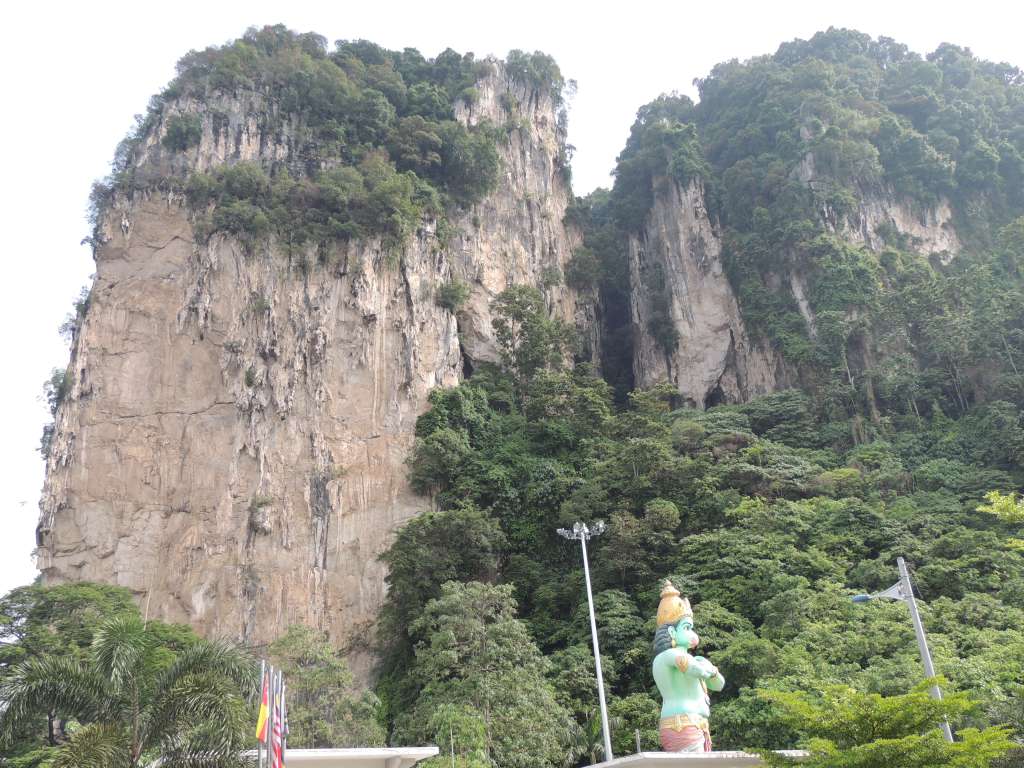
{"x": 277, "y": 727}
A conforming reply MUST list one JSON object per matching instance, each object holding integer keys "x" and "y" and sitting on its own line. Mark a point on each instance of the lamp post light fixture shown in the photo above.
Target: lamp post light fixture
{"x": 904, "y": 590}
{"x": 582, "y": 533}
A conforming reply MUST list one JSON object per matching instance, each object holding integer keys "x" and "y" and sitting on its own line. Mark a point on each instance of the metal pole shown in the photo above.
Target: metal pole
{"x": 922, "y": 641}
{"x": 263, "y": 680}
{"x": 597, "y": 652}
{"x": 284, "y": 720}
{"x": 270, "y": 718}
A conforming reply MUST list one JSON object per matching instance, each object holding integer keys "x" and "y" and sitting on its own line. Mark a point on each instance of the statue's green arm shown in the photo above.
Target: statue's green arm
{"x": 713, "y": 679}
{"x": 716, "y": 682}
{"x": 698, "y": 666}
{"x": 694, "y": 666}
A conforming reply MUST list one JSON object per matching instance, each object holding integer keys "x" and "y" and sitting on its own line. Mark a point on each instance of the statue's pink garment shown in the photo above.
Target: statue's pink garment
{"x": 689, "y": 739}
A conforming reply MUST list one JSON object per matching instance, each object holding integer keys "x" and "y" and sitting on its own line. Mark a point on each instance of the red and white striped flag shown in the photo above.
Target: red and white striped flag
{"x": 277, "y": 729}
{"x": 284, "y": 720}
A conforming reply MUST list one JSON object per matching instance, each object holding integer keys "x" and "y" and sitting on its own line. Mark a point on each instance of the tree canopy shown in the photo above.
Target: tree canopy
{"x": 114, "y": 690}
{"x": 769, "y": 515}
{"x": 791, "y": 150}
{"x": 324, "y": 708}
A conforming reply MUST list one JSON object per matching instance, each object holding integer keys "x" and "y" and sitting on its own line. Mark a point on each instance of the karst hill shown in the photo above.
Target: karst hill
{"x": 340, "y": 286}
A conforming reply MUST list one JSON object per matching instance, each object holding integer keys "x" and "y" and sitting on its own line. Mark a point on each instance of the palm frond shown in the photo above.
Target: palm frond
{"x": 222, "y": 657}
{"x": 51, "y": 684}
{"x": 204, "y": 708}
{"x": 204, "y": 693}
{"x": 99, "y": 745}
{"x": 119, "y": 648}
{"x": 214, "y": 656}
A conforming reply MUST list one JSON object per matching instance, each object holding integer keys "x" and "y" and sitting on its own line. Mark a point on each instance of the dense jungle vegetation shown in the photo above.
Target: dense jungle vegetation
{"x": 903, "y": 436}
{"x": 768, "y": 515}
{"x": 787, "y": 147}
{"x": 906, "y": 435}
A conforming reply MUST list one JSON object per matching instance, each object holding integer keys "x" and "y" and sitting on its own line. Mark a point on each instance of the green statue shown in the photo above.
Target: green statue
{"x": 683, "y": 680}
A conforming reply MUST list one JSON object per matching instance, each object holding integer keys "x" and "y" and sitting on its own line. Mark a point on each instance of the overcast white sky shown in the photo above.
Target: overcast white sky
{"x": 73, "y": 74}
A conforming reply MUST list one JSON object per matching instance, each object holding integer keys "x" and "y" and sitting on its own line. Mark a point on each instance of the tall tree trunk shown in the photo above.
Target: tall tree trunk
{"x": 1009, "y": 354}
{"x": 958, "y": 388}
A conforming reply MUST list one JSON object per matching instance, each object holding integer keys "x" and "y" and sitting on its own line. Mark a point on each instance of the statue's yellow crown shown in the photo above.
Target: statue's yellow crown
{"x": 672, "y": 607}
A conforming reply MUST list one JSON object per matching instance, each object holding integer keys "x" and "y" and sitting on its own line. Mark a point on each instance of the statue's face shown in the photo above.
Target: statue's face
{"x": 685, "y": 636}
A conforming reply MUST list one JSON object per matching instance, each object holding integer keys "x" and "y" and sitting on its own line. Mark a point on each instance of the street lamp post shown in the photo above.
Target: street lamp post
{"x": 904, "y": 590}
{"x": 582, "y": 533}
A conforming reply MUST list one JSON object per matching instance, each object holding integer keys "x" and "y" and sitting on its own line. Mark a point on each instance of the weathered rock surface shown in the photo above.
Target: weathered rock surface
{"x": 882, "y": 214}
{"x": 233, "y": 446}
{"x": 676, "y": 276}
{"x": 682, "y": 298}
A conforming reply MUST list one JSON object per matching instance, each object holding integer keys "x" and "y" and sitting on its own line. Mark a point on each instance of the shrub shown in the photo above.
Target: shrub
{"x": 452, "y": 295}
{"x": 183, "y": 131}
{"x": 583, "y": 271}
{"x": 536, "y": 69}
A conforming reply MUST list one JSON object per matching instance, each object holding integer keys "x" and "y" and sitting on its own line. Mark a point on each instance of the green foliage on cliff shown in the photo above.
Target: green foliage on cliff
{"x": 55, "y": 389}
{"x": 662, "y": 143}
{"x": 536, "y": 69}
{"x": 340, "y": 204}
{"x": 867, "y": 111}
{"x": 602, "y": 263}
{"x": 324, "y": 709}
{"x": 368, "y": 140}
{"x": 792, "y": 150}
{"x": 375, "y": 146}
{"x": 769, "y": 515}
{"x": 529, "y": 340}
{"x": 183, "y": 131}
{"x": 452, "y": 295}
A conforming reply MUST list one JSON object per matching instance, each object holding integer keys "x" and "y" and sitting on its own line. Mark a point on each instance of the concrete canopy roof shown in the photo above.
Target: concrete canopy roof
{"x": 690, "y": 760}
{"x": 383, "y": 757}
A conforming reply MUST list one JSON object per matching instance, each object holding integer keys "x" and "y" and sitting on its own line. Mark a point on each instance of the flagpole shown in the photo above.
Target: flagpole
{"x": 278, "y": 724}
{"x": 263, "y": 680}
{"x": 284, "y": 720}
{"x": 270, "y": 721}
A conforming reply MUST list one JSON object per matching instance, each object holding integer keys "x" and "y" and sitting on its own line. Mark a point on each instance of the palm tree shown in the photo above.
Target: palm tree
{"x": 137, "y": 700}
{"x": 587, "y": 740}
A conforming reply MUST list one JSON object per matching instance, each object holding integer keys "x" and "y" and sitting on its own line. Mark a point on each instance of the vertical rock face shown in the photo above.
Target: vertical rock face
{"x": 233, "y": 445}
{"x": 688, "y": 325}
{"x": 928, "y": 230}
{"x": 881, "y": 213}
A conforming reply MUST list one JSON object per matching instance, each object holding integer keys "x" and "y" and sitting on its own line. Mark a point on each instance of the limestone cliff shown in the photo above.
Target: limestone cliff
{"x": 678, "y": 282}
{"x": 880, "y": 212}
{"x": 688, "y": 325}
{"x": 233, "y": 445}
{"x": 234, "y": 439}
